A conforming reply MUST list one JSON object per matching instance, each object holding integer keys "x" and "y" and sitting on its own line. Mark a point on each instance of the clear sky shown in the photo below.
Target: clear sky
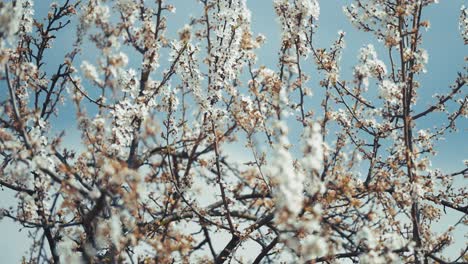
{"x": 442, "y": 41}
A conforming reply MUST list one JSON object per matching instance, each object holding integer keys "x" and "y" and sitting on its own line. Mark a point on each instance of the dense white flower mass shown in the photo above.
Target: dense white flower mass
{"x": 309, "y": 8}
{"x": 367, "y": 236}
{"x": 229, "y": 46}
{"x": 128, "y": 82}
{"x": 312, "y": 162}
{"x": 313, "y": 148}
{"x": 15, "y": 16}
{"x": 369, "y": 65}
{"x": 90, "y": 71}
{"x": 391, "y": 92}
{"x": 290, "y": 181}
{"x": 189, "y": 72}
{"x": 296, "y": 18}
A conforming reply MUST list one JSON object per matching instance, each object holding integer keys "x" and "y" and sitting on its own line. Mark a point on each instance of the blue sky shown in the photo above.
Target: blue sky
{"x": 442, "y": 41}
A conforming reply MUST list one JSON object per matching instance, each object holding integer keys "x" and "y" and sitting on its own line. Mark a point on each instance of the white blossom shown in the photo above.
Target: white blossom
{"x": 67, "y": 252}
{"x": 15, "y": 16}
{"x": 369, "y": 65}
{"x": 289, "y": 193}
{"x": 367, "y": 236}
{"x": 116, "y": 230}
{"x": 312, "y": 162}
{"x": 313, "y": 148}
{"x": 90, "y": 71}
{"x": 463, "y": 23}
{"x": 372, "y": 257}
{"x": 309, "y": 8}
{"x": 295, "y": 19}
{"x": 390, "y": 92}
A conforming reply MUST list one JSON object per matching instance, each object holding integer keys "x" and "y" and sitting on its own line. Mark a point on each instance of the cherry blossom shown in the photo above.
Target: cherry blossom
{"x": 147, "y": 143}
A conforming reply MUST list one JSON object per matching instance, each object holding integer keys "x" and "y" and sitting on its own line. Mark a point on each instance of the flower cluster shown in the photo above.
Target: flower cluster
{"x": 463, "y": 23}
{"x": 228, "y": 46}
{"x": 369, "y": 65}
{"x": 296, "y": 22}
{"x": 290, "y": 181}
{"x": 15, "y": 17}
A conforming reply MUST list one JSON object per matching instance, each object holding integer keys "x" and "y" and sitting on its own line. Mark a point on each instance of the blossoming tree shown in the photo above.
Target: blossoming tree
{"x": 154, "y": 179}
